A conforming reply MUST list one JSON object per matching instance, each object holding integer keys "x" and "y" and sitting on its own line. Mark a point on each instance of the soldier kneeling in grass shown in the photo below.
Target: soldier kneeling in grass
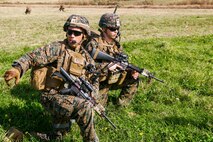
{"x": 47, "y": 60}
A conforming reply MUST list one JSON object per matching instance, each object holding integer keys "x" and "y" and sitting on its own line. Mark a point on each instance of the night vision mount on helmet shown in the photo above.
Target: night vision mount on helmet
{"x": 77, "y": 21}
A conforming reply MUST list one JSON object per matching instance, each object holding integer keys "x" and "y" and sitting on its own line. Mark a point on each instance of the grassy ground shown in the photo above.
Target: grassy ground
{"x": 176, "y": 45}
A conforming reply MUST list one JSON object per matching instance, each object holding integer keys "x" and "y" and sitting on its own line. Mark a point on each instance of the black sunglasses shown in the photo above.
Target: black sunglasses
{"x": 75, "y": 33}
{"x": 113, "y": 29}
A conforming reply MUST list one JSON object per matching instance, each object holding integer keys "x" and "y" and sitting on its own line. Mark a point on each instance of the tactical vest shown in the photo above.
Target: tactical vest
{"x": 113, "y": 76}
{"x": 73, "y": 62}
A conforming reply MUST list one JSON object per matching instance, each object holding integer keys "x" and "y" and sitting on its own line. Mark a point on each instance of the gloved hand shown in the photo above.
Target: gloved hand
{"x": 10, "y": 74}
{"x": 135, "y": 74}
{"x": 112, "y": 66}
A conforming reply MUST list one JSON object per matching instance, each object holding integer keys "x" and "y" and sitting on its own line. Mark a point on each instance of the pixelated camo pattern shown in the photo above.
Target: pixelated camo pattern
{"x": 129, "y": 86}
{"x": 60, "y": 105}
{"x": 72, "y": 107}
{"x": 40, "y": 56}
{"x": 73, "y": 19}
{"x": 109, "y": 20}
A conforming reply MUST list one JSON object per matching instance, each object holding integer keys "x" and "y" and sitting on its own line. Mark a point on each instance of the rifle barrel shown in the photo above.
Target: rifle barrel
{"x": 131, "y": 66}
{"x": 157, "y": 79}
{"x": 113, "y": 125}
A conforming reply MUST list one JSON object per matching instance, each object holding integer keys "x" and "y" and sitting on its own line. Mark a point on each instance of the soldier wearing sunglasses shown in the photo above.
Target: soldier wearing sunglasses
{"x": 46, "y": 60}
{"x": 111, "y": 77}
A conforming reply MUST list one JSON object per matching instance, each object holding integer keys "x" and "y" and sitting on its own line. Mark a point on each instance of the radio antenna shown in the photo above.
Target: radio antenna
{"x": 115, "y": 9}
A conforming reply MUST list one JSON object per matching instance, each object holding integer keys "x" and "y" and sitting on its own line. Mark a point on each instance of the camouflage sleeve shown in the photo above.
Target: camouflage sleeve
{"x": 39, "y": 57}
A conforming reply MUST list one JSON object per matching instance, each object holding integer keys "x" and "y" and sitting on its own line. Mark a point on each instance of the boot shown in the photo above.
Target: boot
{"x": 13, "y": 135}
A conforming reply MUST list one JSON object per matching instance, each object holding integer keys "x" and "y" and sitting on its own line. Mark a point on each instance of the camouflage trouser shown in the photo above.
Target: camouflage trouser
{"x": 66, "y": 107}
{"x": 128, "y": 90}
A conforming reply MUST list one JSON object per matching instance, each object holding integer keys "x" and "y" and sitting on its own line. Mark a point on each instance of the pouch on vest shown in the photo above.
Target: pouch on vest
{"x": 52, "y": 82}
{"x": 117, "y": 77}
{"x": 38, "y": 77}
{"x": 77, "y": 64}
{"x": 113, "y": 77}
{"x": 122, "y": 77}
{"x": 102, "y": 78}
{"x": 41, "y": 78}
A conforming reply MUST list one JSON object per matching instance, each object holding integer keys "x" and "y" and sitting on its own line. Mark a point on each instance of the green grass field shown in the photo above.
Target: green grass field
{"x": 175, "y": 44}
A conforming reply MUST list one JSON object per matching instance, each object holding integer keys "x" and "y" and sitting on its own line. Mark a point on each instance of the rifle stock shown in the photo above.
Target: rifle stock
{"x": 99, "y": 55}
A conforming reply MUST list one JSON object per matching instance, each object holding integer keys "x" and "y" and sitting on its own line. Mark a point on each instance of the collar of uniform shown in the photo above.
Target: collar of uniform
{"x": 109, "y": 44}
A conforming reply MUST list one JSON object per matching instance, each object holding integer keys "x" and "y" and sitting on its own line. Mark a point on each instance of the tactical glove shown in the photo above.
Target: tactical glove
{"x": 112, "y": 66}
{"x": 10, "y": 74}
{"x": 135, "y": 74}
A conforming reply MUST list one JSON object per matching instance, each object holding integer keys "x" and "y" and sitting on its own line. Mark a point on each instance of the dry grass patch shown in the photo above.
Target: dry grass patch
{"x": 44, "y": 24}
{"x": 120, "y": 2}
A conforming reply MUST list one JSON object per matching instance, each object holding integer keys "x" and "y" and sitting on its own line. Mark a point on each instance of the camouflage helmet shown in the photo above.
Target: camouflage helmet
{"x": 77, "y": 21}
{"x": 109, "y": 20}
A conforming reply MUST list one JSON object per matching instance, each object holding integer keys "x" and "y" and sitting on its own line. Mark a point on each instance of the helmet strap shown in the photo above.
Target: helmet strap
{"x": 118, "y": 36}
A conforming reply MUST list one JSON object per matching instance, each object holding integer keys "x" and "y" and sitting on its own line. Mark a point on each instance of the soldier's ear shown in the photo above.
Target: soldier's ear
{"x": 84, "y": 37}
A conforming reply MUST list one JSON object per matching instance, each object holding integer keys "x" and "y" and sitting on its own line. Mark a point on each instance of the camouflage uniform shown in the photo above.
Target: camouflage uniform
{"x": 63, "y": 107}
{"x": 112, "y": 80}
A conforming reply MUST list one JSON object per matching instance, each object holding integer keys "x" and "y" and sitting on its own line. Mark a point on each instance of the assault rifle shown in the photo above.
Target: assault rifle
{"x": 122, "y": 60}
{"x": 80, "y": 87}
